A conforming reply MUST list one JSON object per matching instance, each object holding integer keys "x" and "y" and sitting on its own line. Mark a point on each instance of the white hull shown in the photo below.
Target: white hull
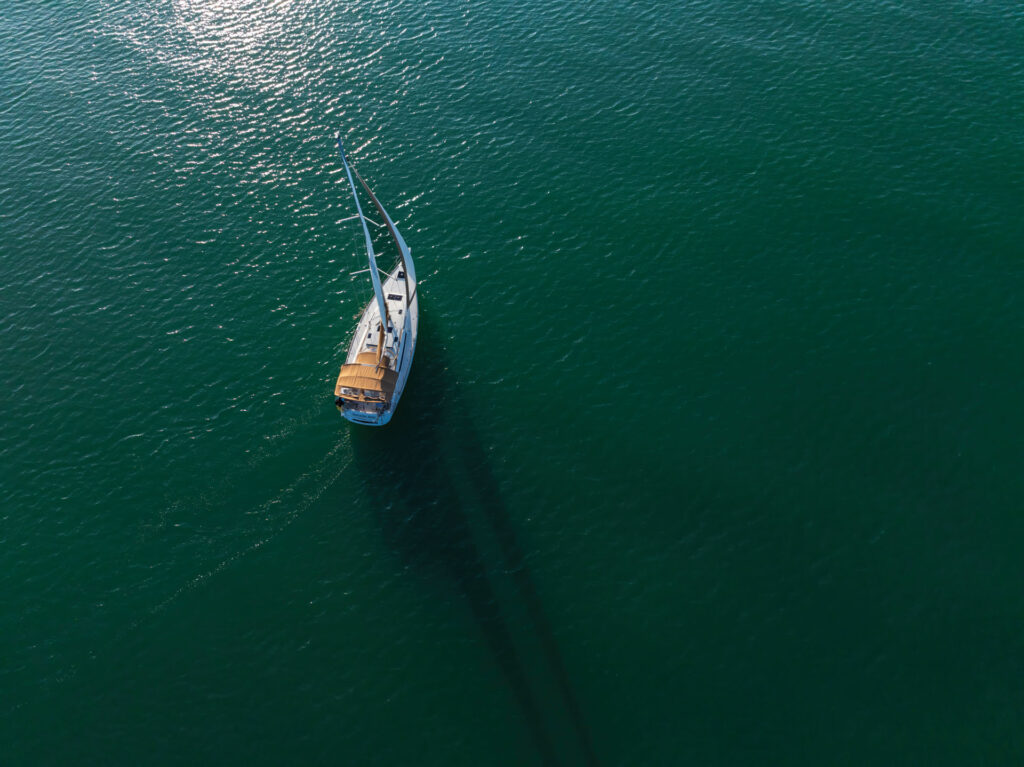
{"x": 398, "y": 346}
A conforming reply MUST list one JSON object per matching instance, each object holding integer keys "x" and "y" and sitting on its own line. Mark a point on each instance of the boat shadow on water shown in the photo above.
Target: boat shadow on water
{"x": 437, "y": 500}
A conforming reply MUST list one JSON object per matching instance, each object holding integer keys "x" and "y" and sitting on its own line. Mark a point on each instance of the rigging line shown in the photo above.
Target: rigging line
{"x": 365, "y": 218}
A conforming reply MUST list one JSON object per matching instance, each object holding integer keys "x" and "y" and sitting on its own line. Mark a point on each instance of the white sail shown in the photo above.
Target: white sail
{"x": 399, "y": 239}
{"x": 374, "y": 274}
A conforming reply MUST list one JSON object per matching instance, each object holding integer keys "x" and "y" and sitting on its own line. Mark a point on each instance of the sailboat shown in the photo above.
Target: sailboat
{"x": 380, "y": 353}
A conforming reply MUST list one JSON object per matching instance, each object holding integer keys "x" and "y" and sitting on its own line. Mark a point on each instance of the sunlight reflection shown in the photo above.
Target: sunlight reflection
{"x": 240, "y": 36}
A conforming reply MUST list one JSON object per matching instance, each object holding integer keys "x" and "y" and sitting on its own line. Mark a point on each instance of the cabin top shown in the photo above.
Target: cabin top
{"x": 366, "y": 374}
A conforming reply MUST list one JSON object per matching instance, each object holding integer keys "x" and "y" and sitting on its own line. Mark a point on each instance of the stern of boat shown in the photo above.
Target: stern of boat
{"x": 365, "y": 417}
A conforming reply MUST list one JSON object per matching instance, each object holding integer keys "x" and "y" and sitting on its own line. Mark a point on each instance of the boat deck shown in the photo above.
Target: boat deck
{"x": 367, "y": 333}
{"x": 399, "y": 345}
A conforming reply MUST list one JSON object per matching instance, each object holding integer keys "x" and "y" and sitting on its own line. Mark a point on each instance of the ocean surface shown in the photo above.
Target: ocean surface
{"x": 712, "y": 449}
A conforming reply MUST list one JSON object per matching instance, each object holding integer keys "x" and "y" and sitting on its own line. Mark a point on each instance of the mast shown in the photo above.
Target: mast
{"x": 374, "y": 274}
{"x": 403, "y": 249}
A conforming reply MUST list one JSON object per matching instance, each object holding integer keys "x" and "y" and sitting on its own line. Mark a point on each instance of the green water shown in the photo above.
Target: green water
{"x": 711, "y": 453}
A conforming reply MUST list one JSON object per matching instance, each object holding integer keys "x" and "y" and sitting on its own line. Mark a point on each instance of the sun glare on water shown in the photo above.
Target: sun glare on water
{"x": 243, "y": 39}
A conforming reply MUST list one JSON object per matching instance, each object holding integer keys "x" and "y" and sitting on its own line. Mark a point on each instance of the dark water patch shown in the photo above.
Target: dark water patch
{"x": 435, "y": 498}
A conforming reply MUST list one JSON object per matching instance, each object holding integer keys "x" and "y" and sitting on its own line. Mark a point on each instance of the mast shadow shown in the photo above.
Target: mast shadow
{"x": 436, "y": 500}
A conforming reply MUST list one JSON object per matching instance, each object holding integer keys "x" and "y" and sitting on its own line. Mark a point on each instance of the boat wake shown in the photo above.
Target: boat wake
{"x": 296, "y": 498}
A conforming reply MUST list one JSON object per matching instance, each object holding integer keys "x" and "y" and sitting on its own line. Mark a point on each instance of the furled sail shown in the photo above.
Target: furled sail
{"x": 410, "y": 272}
{"x": 374, "y": 274}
